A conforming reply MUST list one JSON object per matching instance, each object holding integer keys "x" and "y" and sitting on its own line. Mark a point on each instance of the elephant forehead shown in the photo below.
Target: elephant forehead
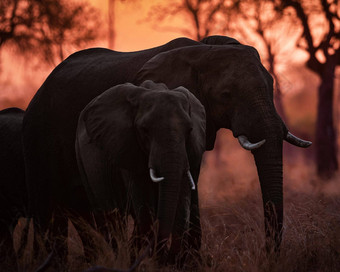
{"x": 230, "y": 68}
{"x": 226, "y": 56}
{"x": 165, "y": 99}
{"x": 165, "y": 108}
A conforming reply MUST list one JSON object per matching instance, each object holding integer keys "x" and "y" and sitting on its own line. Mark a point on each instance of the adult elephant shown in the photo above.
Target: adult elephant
{"x": 228, "y": 79}
{"x": 156, "y": 138}
{"x": 13, "y": 195}
{"x": 237, "y": 92}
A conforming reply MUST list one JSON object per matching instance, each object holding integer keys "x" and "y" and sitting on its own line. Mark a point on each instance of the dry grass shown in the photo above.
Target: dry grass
{"x": 232, "y": 221}
{"x": 233, "y": 238}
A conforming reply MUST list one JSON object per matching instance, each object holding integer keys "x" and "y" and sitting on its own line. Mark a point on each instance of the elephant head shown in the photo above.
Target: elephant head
{"x": 237, "y": 93}
{"x": 146, "y": 130}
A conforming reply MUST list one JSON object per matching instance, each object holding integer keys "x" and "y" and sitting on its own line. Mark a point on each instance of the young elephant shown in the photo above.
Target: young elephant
{"x": 154, "y": 139}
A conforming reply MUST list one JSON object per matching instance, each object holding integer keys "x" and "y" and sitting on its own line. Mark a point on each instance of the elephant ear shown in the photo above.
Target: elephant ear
{"x": 105, "y": 141}
{"x": 197, "y": 138}
{"x": 219, "y": 40}
{"x": 174, "y": 68}
{"x": 109, "y": 122}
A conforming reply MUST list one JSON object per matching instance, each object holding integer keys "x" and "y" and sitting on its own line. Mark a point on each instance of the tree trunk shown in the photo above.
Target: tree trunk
{"x": 111, "y": 15}
{"x": 326, "y": 149}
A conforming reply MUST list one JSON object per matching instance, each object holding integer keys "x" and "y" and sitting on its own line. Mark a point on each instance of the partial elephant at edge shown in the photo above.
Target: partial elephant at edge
{"x": 13, "y": 193}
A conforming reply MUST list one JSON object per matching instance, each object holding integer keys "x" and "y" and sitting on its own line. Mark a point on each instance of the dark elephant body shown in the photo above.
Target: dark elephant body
{"x": 13, "y": 195}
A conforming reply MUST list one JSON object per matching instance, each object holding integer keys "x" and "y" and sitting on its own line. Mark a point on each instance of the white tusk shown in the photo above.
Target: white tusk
{"x": 244, "y": 142}
{"x": 154, "y": 177}
{"x": 292, "y": 139}
{"x": 193, "y": 187}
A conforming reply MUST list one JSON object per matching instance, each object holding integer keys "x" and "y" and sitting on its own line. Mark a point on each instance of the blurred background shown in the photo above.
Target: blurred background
{"x": 298, "y": 41}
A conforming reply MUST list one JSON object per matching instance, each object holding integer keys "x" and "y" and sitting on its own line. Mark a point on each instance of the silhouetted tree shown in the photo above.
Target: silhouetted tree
{"x": 320, "y": 38}
{"x": 111, "y": 17}
{"x": 111, "y": 12}
{"x": 260, "y": 24}
{"x": 46, "y": 27}
{"x": 206, "y": 17}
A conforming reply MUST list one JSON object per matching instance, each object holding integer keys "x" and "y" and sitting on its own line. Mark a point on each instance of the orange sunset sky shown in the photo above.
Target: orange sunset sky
{"x": 133, "y": 31}
{"x": 21, "y": 76}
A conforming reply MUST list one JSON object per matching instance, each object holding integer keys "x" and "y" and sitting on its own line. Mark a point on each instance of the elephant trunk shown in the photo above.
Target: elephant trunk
{"x": 268, "y": 161}
{"x": 170, "y": 193}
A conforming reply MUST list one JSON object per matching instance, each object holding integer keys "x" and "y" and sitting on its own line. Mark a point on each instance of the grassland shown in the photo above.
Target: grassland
{"x": 232, "y": 223}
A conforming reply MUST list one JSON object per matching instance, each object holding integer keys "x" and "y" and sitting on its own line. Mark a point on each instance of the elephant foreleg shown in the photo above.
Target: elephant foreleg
{"x": 24, "y": 238}
{"x": 112, "y": 225}
{"x": 179, "y": 245}
{"x": 195, "y": 231}
{"x": 83, "y": 223}
{"x": 141, "y": 194}
{"x": 7, "y": 253}
{"x": 57, "y": 242}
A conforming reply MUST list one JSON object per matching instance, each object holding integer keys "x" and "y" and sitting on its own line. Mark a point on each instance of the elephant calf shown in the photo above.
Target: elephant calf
{"x": 141, "y": 147}
{"x": 13, "y": 195}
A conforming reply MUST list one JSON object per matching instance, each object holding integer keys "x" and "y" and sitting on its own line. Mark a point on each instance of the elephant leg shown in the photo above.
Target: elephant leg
{"x": 105, "y": 224}
{"x": 179, "y": 244}
{"x": 141, "y": 195}
{"x": 57, "y": 241}
{"x": 195, "y": 231}
{"x": 37, "y": 240}
{"x": 112, "y": 225}
{"x": 104, "y": 187}
{"x": 7, "y": 253}
{"x": 23, "y": 238}
{"x": 143, "y": 231}
{"x": 112, "y": 222}
{"x": 83, "y": 222}
{"x": 55, "y": 244}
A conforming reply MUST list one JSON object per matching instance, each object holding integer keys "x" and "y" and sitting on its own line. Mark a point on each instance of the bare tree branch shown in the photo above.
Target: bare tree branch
{"x": 313, "y": 63}
{"x": 46, "y": 27}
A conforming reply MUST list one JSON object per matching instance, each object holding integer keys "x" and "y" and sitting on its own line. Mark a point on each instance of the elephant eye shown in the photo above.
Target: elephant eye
{"x": 226, "y": 95}
{"x": 144, "y": 131}
{"x": 189, "y": 132}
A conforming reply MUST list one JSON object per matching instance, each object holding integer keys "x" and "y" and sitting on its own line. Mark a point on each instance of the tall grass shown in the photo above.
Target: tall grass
{"x": 233, "y": 238}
